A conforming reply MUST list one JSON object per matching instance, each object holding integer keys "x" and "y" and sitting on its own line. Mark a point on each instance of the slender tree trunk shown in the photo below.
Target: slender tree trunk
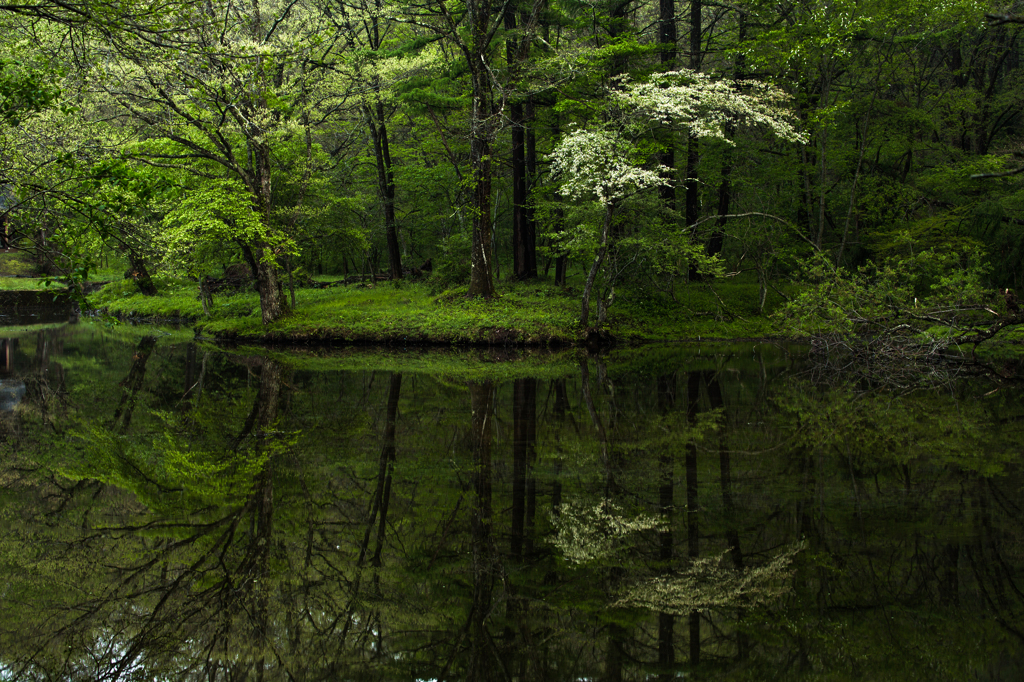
{"x": 520, "y": 260}
{"x": 375, "y": 119}
{"x": 717, "y": 242}
{"x": 692, "y": 213}
{"x": 481, "y": 280}
{"x": 529, "y": 220}
{"x": 667, "y": 36}
{"x": 598, "y": 259}
{"x": 479, "y": 14}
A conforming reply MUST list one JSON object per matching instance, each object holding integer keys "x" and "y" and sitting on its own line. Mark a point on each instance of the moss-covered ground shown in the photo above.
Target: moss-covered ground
{"x": 410, "y": 313}
{"x": 16, "y": 264}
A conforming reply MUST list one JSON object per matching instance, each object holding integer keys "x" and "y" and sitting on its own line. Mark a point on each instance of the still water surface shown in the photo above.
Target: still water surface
{"x": 174, "y": 511}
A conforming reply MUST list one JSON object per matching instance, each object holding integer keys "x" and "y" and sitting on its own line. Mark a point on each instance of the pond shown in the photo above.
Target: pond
{"x": 172, "y": 510}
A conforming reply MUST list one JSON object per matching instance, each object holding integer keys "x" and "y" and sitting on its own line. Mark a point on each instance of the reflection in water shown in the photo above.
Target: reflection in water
{"x": 174, "y": 512}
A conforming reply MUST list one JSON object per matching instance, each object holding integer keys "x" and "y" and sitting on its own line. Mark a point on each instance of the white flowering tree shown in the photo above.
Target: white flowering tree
{"x": 602, "y": 163}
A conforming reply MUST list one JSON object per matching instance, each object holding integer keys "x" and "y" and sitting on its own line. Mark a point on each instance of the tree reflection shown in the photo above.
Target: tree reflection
{"x": 301, "y": 525}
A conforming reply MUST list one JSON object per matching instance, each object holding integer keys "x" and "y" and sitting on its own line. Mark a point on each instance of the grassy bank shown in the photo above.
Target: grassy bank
{"x": 410, "y": 313}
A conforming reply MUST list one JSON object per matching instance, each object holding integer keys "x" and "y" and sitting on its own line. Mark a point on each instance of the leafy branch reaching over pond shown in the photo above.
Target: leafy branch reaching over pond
{"x": 909, "y": 309}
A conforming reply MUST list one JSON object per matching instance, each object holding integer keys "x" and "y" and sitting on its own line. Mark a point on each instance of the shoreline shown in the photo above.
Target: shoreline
{"x": 406, "y": 314}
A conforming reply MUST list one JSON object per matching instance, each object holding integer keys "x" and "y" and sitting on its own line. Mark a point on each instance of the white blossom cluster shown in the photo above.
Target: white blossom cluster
{"x": 707, "y": 584}
{"x": 706, "y": 106}
{"x": 589, "y": 533}
{"x": 597, "y": 162}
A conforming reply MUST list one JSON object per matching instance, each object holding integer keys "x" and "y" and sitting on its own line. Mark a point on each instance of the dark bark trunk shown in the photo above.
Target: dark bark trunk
{"x": 268, "y": 283}
{"x": 520, "y": 265}
{"x": 139, "y": 274}
{"x": 596, "y": 266}
{"x": 717, "y": 241}
{"x": 561, "y": 263}
{"x": 481, "y": 280}
{"x": 667, "y": 36}
{"x": 522, "y": 268}
{"x": 385, "y": 185}
{"x": 529, "y": 220}
{"x": 692, "y": 211}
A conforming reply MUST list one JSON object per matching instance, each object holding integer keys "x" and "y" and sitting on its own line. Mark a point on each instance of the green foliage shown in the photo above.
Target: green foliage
{"x": 25, "y": 88}
{"x": 452, "y": 264}
{"x": 914, "y": 291}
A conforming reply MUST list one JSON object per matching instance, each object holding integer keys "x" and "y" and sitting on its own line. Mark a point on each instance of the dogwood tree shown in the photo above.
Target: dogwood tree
{"x": 603, "y": 164}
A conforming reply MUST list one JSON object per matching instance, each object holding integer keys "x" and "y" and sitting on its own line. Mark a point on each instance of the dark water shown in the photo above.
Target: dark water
{"x": 176, "y": 512}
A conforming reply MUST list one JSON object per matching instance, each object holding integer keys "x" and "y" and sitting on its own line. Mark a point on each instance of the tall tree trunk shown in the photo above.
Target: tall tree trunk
{"x": 375, "y": 119}
{"x": 667, "y": 36}
{"x": 529, "y": 220}
{"x": 514, "y": 52}
{"x": 481, "y": 279}
{"x": 692, "y": 213}
{"x": 273, "y": 304}
{"x": 479, "y": 14}
{"x": 272, "y": 301}
{"x": 717, "y": 241}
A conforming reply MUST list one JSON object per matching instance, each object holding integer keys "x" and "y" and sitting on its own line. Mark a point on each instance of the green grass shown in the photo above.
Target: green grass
{"x": 24, "y": 284}
{"x": 409, "y": 313}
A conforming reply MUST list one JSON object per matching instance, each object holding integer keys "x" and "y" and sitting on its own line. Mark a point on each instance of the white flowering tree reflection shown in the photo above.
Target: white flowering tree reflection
{"x": 605, "y": 164}
{"x": 588, "y": 534}
{"x": 708, "y": 584}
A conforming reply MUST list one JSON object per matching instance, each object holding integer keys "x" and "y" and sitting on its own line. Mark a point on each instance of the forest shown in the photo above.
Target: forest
{"x": 867, "y": 151}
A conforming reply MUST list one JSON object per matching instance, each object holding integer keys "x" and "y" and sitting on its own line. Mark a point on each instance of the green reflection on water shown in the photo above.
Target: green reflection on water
{"x": 174, "y": 511}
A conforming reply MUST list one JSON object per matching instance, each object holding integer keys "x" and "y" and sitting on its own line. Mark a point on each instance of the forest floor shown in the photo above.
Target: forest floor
{"x": 412, "y": 313}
